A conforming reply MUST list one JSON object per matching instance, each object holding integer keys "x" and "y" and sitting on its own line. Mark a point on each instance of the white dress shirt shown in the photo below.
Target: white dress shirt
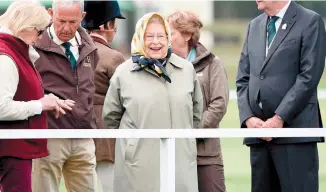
{"x": 11, "y": 110}
{"x": 74, "y": 43}
{"x": 280, "y": 14}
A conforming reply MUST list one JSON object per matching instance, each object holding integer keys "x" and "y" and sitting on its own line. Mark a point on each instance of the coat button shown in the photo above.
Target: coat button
{"x": 262, "y": 77}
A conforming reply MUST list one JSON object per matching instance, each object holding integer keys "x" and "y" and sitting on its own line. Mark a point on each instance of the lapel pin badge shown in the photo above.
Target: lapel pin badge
{"x": 284, "y": 26}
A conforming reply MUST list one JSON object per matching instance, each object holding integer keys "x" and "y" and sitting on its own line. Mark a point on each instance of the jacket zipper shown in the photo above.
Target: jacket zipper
{"x": 77, "y": 81}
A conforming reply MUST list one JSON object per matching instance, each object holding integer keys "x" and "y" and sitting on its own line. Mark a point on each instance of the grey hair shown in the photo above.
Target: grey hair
{"x": 55, "y": 4}
{"x": 156, "y": 19}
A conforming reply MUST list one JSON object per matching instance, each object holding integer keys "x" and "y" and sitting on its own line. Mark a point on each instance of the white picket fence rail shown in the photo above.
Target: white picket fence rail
{"x": 167, "y": 136}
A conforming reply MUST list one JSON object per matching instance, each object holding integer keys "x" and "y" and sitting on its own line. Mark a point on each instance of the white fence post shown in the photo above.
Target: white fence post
{"x": 167, "y": 165}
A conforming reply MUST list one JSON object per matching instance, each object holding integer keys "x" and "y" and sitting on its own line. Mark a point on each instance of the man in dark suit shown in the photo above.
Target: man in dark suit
{"x": 281, "y": 64}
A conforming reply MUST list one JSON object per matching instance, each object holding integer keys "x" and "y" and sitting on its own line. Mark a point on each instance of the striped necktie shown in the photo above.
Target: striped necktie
{"x": 69, "y": 54}
{"x": 271, "y": 29}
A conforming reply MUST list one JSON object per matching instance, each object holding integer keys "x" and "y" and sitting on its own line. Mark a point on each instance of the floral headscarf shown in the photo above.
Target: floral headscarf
{"x": 138, "y": 47}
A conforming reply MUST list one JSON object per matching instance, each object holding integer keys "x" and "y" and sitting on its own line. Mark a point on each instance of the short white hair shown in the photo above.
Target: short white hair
{"x": 55, "y": 4}
{"x": 22, "y": 15}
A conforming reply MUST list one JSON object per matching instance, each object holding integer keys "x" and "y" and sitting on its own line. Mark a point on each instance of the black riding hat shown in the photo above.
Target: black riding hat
{"x": 99, "y": 13}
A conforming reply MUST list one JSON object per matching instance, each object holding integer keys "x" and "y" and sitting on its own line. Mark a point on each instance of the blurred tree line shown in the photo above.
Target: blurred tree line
{"x": 248, "y": 9}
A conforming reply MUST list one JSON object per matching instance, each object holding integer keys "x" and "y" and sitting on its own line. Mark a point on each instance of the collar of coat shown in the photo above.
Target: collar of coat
{"x": 47, "y": 44}
{"x": 203, "y": 57}
{"x": 202, "y": 53}
{"x": 101, "y": 41}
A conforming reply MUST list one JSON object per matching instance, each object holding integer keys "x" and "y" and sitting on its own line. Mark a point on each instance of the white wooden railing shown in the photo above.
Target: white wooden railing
{"x": 167, "y": 136}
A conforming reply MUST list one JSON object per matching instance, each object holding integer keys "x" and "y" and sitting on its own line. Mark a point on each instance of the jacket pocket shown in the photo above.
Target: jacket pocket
{"x": 84, "y": 113}
{"x": 130, "y": 150}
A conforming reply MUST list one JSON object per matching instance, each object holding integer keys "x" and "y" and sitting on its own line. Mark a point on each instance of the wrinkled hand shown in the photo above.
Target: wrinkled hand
{"x": 63, "y": 105}
{"x": 254, "y": 122}
{"x": 49, "y": 102}
{"x": 52, "y": 103}
{"x": 273, "y": 122}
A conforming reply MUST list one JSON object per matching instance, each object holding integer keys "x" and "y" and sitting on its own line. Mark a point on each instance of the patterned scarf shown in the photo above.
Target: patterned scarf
{"x": 138, "y": 48}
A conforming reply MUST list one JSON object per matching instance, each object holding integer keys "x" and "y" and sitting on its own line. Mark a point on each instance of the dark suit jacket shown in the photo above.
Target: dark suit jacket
{"x": 285, "y": 81}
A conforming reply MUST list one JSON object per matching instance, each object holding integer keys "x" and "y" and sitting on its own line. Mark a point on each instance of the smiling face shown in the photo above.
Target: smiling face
{"x": 156, "y": 41}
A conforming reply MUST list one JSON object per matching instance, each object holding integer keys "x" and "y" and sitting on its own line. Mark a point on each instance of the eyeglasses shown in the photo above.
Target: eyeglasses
{"x": 159, "y": 37}
{"x": 39, "y": 31}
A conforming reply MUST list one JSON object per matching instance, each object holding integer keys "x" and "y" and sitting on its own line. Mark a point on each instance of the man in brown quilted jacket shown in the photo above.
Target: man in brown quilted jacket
{"x": 68, "y": 58}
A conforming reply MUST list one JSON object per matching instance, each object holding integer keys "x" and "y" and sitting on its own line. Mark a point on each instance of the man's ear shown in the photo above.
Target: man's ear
{"x": 50, "y": 11}
{"x": 101, "y": 27}
{"x": 110, "y": 24}
{"x": 83, "y": 15}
